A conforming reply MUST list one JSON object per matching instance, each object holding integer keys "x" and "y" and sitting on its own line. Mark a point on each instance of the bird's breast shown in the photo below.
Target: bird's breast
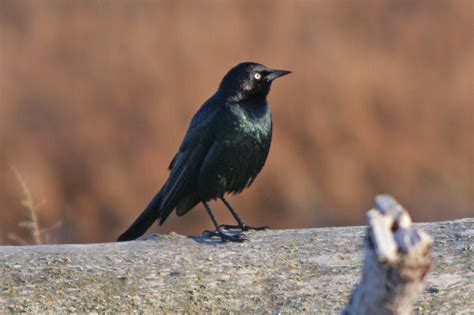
{"x": 238, "y": 154}
{"x": 249, "y": 126}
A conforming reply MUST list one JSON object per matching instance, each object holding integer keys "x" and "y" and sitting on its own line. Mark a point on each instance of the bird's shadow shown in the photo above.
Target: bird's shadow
{"x": 200, "y": 239}
{"x": 206, "y": 240}
{"x": 214, "y": 240}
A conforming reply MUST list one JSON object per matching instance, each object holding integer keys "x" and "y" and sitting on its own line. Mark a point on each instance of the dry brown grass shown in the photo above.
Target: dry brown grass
{"x": 38, "y": 235}
{"x": 95, "y": 97}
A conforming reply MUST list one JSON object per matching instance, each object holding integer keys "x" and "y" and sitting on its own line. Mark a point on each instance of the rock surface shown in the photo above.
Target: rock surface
{"x": 277, "y": 270}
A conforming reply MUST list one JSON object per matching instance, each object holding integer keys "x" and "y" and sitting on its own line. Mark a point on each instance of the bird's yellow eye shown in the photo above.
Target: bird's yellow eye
{"x": 257, "y": 76}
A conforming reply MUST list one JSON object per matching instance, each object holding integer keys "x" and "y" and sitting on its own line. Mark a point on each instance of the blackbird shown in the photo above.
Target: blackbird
{"x": 223, "y": 151}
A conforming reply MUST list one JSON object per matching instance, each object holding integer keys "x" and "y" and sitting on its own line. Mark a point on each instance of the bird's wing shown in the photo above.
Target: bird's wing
{"x": 186, "y": 163}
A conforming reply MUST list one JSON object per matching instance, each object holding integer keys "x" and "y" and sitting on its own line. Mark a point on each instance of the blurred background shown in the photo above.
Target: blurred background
{"x": 95, "y": 97}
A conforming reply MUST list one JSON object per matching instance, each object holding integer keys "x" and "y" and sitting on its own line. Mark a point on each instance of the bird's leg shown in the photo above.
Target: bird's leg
{"x": 241, "y": 224}
{"x": 219, "y": 232}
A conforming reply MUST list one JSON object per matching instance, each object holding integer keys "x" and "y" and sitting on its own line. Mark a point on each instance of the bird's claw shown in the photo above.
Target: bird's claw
{"x": 225, "y": 237}
{"x": 243, "y": 228}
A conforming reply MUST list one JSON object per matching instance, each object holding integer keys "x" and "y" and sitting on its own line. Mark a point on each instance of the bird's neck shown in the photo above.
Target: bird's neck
{"x": 254, "y": 107}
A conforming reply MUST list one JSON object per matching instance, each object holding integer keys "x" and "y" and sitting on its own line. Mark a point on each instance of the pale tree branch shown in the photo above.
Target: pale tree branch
{"x": 397, "y": 260}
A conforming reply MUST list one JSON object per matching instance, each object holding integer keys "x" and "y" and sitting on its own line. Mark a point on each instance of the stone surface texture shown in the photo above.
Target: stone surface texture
{"x": 312, "y": 270}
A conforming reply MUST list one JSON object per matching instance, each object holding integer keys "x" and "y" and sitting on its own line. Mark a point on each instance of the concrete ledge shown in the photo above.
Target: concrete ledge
{"x": 277, "y": 270}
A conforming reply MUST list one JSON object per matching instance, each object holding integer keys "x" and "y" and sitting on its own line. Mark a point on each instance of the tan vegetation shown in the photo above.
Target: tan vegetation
{"x": 95, "y": 97}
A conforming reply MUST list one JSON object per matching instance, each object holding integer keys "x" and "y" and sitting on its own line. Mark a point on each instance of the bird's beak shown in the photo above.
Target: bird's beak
{"x": 274, "y": 74}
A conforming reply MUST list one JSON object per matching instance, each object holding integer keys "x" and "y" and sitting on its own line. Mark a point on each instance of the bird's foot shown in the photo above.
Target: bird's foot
{"x": 243, "y": 227}
{"x": 226, "y": 237}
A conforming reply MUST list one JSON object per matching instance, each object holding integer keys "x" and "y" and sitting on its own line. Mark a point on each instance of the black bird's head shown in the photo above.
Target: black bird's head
{"x": 249, "y": 80}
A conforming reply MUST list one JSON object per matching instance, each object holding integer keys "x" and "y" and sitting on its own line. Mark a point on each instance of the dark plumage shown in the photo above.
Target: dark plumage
{"x": 225, "y": 147}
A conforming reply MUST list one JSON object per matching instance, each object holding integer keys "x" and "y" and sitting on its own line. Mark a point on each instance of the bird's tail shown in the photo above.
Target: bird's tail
{"x": 144, "y": 221}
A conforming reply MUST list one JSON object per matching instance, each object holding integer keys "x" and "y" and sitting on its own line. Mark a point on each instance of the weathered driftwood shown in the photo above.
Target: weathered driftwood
{"x": 397, "y": 260}
{"x": 280, "y": 271}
